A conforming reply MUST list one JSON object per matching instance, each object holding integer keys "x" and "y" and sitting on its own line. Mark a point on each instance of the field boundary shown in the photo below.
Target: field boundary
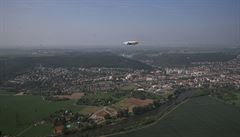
{"x": 25, "y": 130}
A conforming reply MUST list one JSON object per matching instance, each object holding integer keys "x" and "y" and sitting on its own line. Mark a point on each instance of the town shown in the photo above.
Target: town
{"x": 61, "y": 81}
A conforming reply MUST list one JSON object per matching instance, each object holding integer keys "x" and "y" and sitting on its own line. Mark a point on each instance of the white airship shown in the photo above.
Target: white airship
{"x": 131, "y": 43}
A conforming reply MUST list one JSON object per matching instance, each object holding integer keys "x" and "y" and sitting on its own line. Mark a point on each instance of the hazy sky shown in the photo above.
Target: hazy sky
{"x": 110, "y": 22}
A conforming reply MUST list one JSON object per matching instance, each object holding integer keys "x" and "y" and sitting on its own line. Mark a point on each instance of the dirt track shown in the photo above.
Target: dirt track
{"x": 73, "y": 96}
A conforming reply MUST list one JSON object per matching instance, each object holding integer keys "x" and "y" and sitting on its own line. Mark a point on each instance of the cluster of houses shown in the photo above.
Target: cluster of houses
{"x": 65, "y": 120}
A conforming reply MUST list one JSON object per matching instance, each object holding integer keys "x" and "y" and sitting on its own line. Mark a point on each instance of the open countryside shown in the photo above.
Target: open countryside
{"x": 119, "y": 68}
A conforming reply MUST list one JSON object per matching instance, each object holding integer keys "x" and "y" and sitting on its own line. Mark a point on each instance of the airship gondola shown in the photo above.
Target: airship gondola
{"x": 131, "y": 43}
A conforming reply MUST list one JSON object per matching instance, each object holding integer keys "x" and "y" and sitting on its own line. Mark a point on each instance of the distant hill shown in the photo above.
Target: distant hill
{"x": 12, "y": 66}
{"x": 184, "y": 59}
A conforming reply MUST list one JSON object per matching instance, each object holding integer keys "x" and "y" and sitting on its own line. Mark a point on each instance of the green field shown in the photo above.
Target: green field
{"x": 19, "y": 112}
{"x": 199, "y": 117}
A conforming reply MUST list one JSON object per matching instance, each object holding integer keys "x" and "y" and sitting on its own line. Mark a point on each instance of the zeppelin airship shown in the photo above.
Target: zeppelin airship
{"x": 131, "y": 43}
